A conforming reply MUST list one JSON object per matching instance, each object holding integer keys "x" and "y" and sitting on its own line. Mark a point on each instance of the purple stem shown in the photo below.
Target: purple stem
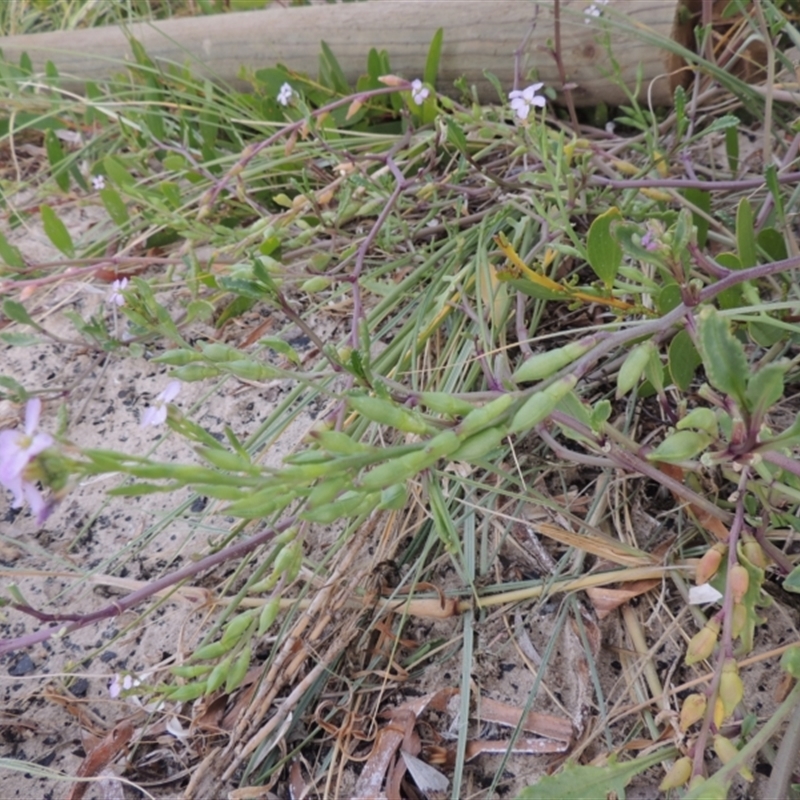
{"x": 134, "y": 598}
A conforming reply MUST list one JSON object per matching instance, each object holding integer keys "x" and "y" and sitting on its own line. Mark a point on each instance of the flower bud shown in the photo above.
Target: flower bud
{"x": 738, "y": 580}
{"x": 731, "y": 688}
{"x": 677, "y": 775}
{"x": 709, "y": 563}
{"x": 701, "y": 645}
{"x": 692, "y": 710}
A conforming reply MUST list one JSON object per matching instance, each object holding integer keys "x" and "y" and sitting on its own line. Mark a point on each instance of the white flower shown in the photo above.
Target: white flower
{"x": 157, "y": 413}
{"x": 700, "y": 595}
{"x": 285, "y": 94}
{"x": 592, "y": 11}
{"x": 98, "y": 182}
{"x": 521, "y": 100}
{"x": 419, "y": 93}
{"x": 116, "y": 687}
{"x": 115, "y": 295}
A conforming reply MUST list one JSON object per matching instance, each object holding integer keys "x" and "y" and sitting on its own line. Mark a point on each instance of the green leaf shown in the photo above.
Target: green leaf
{"x": 16, "y": 311}
{"x": 117, "y": 172}
{"x": 745, "y": 234}
{"x": 791, "y": 583}
{"x": 590, "y": 783}
{"x": 55, "y": 155}
{"x": 732, "y": 148}
{"x": 680, "y": 446}
{"x": 282, "y": 347}
{"x": 790, "y": 660}
{"x": 56, "y": 231}
{"x": 633, "y": 367}
{"x": 723, "y": 355}
{"x": 765, "y": 388}
{"x": 771, "y": 241}
{"x": 114, "y": 205}
{"x": 456, "y": 136}
{"x": 10, "y": 254}
{"x": 330, "y": 73}
{"x": 683, "y": 360}
{"x": 603, "y": 250}
{"x": 434, "y": 56}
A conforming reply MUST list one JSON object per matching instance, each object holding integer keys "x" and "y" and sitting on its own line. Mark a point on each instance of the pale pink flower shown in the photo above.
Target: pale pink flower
{"x": 521, "y": 100}
{"x": 419, "y": 93}
{"x": 115, "y": 295}
{"x": 285, "y": 94}
{"x": 156, "y": 414}
{"x": 17, "y": 449}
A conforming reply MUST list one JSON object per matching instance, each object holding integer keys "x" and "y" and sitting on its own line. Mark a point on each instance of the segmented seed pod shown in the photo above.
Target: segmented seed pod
{"x": 731, "y": 688}
{"x": 726, "y": 751}
{"x": 483, "y": 417}
{"x": 677, "y": 775}
{"x": 701, "y": 645}
{"x": 739, "y": 581}
{"x": 753, "y": 552}
{"x": 541, "y": 404}
{"x": 542, "y": 365}
{"x": 709, "y": 563}
{"x": 692, "y": 710}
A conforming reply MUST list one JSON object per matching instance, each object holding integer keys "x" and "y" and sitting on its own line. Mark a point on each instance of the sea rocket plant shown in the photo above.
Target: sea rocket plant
{"x": 18, "y": 451}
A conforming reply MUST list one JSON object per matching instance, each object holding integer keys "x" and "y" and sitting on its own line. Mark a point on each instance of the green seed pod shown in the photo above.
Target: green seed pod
{"x": 325, "y": 492}
{"x": 194, "y": 372}
{"x": 218, "y": 674}
{"x": 543, "y": 365}
{"x": 251, "y": 371}
{"x": 187, "y": 693}
{"x": 268, "y": 615}
{"x": 238, "y": 670}
{"x": 317, "y": 284}
{"x": 261, "y": 503}
{"x": 393, "y": 498}
{"x": 633, "y": 367}
{"x": 224, "y": 459}
{"x": 287, "y": 557}
{"x": 339, "y": 443}
{"x": 178, "y": 358}
{"x": 388, "y": 413}
{"x": 190, "y": 670}
{"x": 444, "y": 403}
{"x": 211, "y": 651}
{"x": 217, "y": 352}
{"x": 348, "y": 505}
{"x": 238, "y": 627}
{"x": 483, "y": 417}
{"x": 400, "y": 469}
{"x": 541, "y": 404}
{"x": 480, "y": 444}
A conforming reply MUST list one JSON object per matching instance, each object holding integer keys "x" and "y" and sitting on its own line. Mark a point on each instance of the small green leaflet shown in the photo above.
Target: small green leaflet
{"x": 603, "y": 250}
{"x": 56, "y": 231}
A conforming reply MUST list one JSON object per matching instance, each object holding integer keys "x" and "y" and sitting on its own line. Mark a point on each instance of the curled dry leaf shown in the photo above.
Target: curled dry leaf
{"x": 605, "y": 600}
{"x": 101, "y": 755}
